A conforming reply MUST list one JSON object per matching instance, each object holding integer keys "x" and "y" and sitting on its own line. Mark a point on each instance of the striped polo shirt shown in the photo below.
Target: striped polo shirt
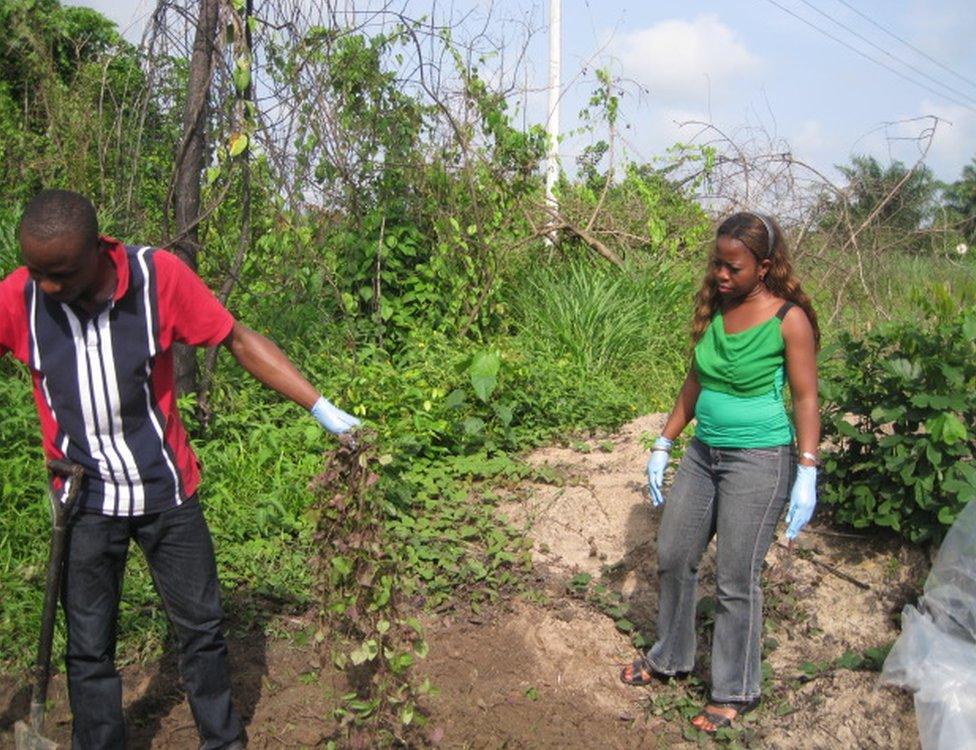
{"x": 103, "y": 382}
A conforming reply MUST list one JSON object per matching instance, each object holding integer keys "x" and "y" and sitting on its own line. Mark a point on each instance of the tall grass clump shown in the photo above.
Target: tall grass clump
{"x": 9, "y": 247}
{"x": 629, "y": 324}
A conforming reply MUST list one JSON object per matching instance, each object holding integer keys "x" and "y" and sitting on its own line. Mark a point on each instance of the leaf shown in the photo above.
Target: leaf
{"x": 905, "y": 369}
{"x": 358, "y": 656}
{"x": 580, "y": 580}
{"x": 242, "y": 74}
{"x": 504, "y": 414}
{"x": 953, "y": 430}
{"x": 484, "y": 373}
{"x": 371, "y": 648}
{"x": 238, "y": 144}
{"x": 474, "y": 426}
{"x": 455, "y": 399}
{"x": 969, "y": 327}
{"x": 406, "y": 715}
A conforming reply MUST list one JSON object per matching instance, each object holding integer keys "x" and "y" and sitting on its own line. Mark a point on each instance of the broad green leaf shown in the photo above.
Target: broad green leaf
{"x": 953, "y": 429}
{"x": 484, "y": 373}
{"x": 455, "y": 399}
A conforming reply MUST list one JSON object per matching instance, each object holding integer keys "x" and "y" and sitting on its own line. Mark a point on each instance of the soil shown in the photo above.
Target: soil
{"x": 541, "y": 670}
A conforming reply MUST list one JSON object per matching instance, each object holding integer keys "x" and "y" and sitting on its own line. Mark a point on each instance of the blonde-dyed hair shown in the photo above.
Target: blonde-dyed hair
{"x": 753, "y": 231}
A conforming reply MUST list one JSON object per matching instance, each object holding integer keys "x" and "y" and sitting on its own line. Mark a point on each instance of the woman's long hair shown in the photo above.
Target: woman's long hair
{"x": 751, "y": 230}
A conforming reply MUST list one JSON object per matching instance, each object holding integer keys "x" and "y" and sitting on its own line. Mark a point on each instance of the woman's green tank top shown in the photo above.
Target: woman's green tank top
{"x": 742, "y": 377}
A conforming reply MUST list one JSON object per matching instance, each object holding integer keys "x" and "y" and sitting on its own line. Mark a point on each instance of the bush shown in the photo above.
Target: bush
{"x": 900, "y": 409}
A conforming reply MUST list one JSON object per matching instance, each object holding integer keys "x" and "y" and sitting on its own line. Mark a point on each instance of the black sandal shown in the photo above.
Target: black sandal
{"x": 721, "y": 721}
{"x": 641, "y": 674}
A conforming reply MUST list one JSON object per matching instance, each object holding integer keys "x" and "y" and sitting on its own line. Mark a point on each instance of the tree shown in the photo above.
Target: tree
{"x": 76, "y": 111}
{"x": 190, "y": 158}
{"x": 961, "y": 200}
{"x": 893, "y": 196}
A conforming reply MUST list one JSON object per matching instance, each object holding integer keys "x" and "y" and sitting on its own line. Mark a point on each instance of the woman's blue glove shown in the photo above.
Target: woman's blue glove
{"x": 655, "y": 468}
{"x": 332, "y": 418}
{"x": 803, "y": 499}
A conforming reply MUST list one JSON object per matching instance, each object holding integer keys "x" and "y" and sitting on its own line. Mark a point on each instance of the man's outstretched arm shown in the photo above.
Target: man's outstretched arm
{"x": 262, "y": 358}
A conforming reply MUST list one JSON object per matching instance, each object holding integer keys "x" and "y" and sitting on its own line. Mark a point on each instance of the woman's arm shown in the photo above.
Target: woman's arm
{"x": 801, "y": 370}
{"x": 684, "y": 406}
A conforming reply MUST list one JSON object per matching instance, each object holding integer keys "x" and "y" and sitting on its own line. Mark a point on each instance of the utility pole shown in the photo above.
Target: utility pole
{"x": 552, "y": 124}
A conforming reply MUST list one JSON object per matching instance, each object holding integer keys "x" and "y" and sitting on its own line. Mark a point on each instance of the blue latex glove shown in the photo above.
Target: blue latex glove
{"x": 655, "y": 468}
{"x": 803, "y": 499}
{"x": 332, "y": 418}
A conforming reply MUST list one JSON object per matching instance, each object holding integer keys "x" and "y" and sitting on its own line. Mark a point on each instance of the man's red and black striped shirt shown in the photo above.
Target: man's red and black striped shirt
{"x": 103, "y": 382}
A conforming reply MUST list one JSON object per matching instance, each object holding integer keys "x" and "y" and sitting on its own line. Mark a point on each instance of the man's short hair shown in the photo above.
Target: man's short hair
{"x": 58, "y": 213}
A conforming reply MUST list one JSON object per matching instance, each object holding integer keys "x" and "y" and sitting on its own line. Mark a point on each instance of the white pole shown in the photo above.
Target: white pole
{"x": 552, "y": 128}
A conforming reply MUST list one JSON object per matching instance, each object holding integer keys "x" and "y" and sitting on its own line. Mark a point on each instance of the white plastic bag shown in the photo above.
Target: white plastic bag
{"x": 935, "y": 655}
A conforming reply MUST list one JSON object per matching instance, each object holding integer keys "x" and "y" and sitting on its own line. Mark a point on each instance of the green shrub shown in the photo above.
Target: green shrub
{"x": 900, "y": 409}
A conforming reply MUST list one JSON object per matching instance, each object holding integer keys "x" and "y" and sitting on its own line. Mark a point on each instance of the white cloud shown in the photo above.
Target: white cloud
{"x": 681, "y": 60}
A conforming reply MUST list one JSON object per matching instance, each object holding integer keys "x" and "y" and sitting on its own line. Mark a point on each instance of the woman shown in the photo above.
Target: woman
{"x": 753, "y": 329}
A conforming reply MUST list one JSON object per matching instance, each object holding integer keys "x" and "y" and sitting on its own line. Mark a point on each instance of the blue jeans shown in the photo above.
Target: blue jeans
{"x": 180, "y": 554}
{"x": 738, "y": 495}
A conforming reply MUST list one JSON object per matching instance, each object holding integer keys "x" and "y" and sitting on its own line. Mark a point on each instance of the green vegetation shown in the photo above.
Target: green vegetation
{"x": 399, "y": 259}
{"x": 901, "y": 410}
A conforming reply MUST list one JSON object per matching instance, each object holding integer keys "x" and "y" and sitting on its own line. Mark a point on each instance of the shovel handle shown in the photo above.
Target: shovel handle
{"x": 61, "y": 512}
{"x": 72, "y": 473}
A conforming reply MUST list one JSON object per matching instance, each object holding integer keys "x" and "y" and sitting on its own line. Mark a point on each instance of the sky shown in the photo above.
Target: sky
{"x": 743, "y": 66}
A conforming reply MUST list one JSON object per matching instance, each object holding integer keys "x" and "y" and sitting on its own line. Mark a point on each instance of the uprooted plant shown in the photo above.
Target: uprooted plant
{"x": 372, "y": 642}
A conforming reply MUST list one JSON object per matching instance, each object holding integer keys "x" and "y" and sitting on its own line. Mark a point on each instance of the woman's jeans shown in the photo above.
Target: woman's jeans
{"x": 180, "y": 554}
{"x": 738, "y": 495}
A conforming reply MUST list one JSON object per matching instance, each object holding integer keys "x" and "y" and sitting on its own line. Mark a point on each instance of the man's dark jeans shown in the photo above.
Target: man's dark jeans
{"x": 180, "y": 554}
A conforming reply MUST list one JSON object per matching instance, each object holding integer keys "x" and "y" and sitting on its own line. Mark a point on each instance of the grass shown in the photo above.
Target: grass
{"x": 899, "y": 287}
{"x": 623, "y": 323}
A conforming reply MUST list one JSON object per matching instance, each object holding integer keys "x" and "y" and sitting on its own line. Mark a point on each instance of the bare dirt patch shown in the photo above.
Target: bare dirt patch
{"x": 541, "y": 671}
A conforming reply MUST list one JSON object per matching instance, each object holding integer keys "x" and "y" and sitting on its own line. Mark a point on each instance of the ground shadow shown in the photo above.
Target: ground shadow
{"x": 17, "y": 708}
{"x": 248, "y": 616}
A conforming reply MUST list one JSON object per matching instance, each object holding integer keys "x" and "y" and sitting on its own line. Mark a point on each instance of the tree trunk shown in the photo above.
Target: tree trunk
{"x": 189, "y": 167}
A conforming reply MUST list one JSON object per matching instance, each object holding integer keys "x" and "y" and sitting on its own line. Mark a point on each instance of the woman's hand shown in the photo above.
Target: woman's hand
{"x": 803, "y": 499}
{"x": 656, "y": 465}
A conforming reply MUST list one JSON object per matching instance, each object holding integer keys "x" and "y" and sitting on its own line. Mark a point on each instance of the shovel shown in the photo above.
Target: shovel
{"x": 28, "y": 735}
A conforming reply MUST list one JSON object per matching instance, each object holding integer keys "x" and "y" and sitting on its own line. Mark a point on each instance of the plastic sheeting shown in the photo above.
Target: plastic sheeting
{"x": 935, "y": 655}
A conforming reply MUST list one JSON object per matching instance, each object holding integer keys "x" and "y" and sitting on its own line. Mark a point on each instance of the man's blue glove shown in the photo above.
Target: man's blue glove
{"x": 655, "y": 468}
{"x": 332, "y": 418}
{"x": 803, "y": 499}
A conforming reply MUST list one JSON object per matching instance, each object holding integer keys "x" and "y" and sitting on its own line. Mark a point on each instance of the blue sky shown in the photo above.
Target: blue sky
{"x": 741, "y": 64}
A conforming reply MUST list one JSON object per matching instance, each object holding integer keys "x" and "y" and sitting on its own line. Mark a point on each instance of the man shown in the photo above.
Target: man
{"x": 95, "y": 322}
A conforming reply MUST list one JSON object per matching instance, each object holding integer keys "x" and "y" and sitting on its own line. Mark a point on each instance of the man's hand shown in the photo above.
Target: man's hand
{"x": 332, "y": 418}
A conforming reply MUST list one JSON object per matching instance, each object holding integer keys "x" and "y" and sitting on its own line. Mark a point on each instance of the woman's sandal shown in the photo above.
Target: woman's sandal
{"x": 716, "y": 721}
{"x": 641, "y": 674}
